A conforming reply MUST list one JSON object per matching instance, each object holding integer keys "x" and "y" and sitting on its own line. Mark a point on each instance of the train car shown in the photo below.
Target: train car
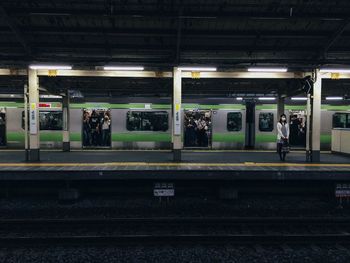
{"x": 147, "y": 125}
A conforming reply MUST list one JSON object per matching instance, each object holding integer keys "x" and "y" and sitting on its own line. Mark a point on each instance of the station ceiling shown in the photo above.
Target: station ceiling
{"x": 162, "y": 33}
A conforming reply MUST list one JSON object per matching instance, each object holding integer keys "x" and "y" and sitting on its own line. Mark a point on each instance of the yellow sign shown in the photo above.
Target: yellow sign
{"x": 195, "y": 75}
{"x": 33, "y": 106}
{"x": 335, "y": 75}
{"x": 177, "y": 107}
{"x": 52, "y": 73}
{"x": 158, "y": 74}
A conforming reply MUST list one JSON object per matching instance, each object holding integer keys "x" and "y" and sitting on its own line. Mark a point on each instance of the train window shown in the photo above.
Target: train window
{"x": 147, "y": 121}
{"x": 266, "y": 122}
{"x": 234, "y": 121}
{"x": 49, "y": 120}
{"x": 341, "y": 120}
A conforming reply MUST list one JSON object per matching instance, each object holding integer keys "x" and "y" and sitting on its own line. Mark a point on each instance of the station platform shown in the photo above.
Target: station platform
{"x": 195, "y": 165}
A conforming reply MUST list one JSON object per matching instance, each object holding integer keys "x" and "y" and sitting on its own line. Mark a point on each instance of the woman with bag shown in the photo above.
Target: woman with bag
{"x": 282, "y": 137}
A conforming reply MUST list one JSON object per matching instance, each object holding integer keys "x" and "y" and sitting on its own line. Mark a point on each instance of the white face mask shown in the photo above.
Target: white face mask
{"x": 283, "y": 119}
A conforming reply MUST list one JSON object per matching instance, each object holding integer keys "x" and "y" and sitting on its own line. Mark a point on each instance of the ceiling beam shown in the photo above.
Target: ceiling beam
{"x": 232, "y": 15}
{"x": 334, "y": 37}
{"x": 178, "y": 37}
{"x": 12, "y": 25}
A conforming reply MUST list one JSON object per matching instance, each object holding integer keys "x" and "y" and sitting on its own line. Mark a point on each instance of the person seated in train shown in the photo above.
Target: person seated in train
{"x": 106, "y": 130}
{"x": 282, "y": 137}
{"x": 95, "y": 127}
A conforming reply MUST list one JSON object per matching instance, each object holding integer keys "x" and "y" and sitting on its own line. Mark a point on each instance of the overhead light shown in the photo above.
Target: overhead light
{"x": 239, "y": 98}
{"x": 266, "y": 98}
{"x": 256, "y": 69}
{"x": 299, "y": 98}
{"x": 197, "y": 68}
{"x": 334, "y": 98}
{"x": 45, "y": 96}
{"x": 335, "y": 70}
{"x": 132, "y": 68}
{"x": 49, "y": 66}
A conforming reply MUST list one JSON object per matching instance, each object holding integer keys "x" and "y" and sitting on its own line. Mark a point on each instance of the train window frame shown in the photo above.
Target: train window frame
{"x": 241, "y": 121}
{"x": 40, "y": 123}
{"x": 142, "y": 112}
{"x": 347, "y": 120}
{"x": 272, "y": 126}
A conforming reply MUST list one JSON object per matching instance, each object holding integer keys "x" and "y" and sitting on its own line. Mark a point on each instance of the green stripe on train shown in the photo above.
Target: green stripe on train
{"x": 158, "y": 137}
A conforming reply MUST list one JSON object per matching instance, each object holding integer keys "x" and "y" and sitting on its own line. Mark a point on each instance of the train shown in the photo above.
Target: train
{"x": 146, "y": 124}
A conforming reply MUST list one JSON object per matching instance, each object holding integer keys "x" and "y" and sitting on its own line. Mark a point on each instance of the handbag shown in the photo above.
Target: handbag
{"x": 285, "y": 146}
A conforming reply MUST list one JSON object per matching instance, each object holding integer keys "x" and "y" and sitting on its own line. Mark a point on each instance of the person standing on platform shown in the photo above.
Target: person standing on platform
{"x": 282, "y": 137}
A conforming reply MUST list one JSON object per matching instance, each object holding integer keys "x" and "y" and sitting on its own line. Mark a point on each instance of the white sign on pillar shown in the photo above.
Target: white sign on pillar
{"x": 33, "y": 122}
{"x": 177, "y": 119}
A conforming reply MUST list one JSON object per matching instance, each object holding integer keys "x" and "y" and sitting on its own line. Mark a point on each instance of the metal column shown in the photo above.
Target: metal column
{"x": 316, "y": 118}
{"x": 65, "y": 135}
{"x": 177, "y": 125}
{"x": 280, "y": 106}
{"x": 34, "y": 131}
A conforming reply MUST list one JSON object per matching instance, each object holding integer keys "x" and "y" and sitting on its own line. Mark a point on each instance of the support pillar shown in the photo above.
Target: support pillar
{"x": 34, "y": 131}
{"x": 280, "y": 106}
{"x": 65, "y": 135}
{"x": 177, "y": 125}
{"x": 316, "y": 118}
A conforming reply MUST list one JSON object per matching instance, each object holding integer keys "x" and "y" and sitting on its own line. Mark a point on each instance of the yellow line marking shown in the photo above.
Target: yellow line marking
{"x": 246, "y": 164}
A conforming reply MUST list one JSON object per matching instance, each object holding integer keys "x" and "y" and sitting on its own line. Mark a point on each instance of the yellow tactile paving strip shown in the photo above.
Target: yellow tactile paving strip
{"x": 171, "y": 164}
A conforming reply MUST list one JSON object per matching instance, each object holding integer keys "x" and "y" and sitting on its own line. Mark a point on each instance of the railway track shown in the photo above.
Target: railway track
{"x": 52, "y": 232}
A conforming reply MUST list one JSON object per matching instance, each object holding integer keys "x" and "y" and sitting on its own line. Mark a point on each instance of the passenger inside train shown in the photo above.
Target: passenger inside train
{"x": 197, "y": 129}
{"x": 96, "y": 128}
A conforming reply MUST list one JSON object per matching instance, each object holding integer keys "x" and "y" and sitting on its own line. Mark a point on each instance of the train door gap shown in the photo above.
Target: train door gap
{"x": 197, "y": 129}
{"x": 297, "y": 128}
{"x": 96, "y": 130}
{"x": 3, "y": 140}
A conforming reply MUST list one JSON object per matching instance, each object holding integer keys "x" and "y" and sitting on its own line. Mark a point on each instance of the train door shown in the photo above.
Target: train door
{"x": 197, "y": 128}
{"x": 297, "y": 128}
{"x": 96, "y": 128}
{"x": 3, "y": 141}
{"x": 250, "y": 125}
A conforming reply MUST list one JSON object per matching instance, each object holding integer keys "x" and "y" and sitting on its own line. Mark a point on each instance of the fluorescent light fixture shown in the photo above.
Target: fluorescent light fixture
{"x": 334, "y": 98}
{"x": 44, "y": 96}
{"x": 256, "y": 69}
{"x": 49, "y": 66}
{"x": 239, "y": 98}
{"x": 335, "y": 70}
{"x": 266, "y": 98}
{"x": 197, "y": 68}
{"x": 131, "y": 68}
{"x": 299, "y": 98}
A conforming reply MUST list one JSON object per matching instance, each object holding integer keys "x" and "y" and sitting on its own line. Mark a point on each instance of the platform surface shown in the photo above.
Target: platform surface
{"x": 230, "y": 165}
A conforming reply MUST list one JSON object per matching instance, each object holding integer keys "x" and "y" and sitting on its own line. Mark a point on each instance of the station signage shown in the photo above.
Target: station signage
{"x": 33, "y": 121}
{"x": 177, "y": 119}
